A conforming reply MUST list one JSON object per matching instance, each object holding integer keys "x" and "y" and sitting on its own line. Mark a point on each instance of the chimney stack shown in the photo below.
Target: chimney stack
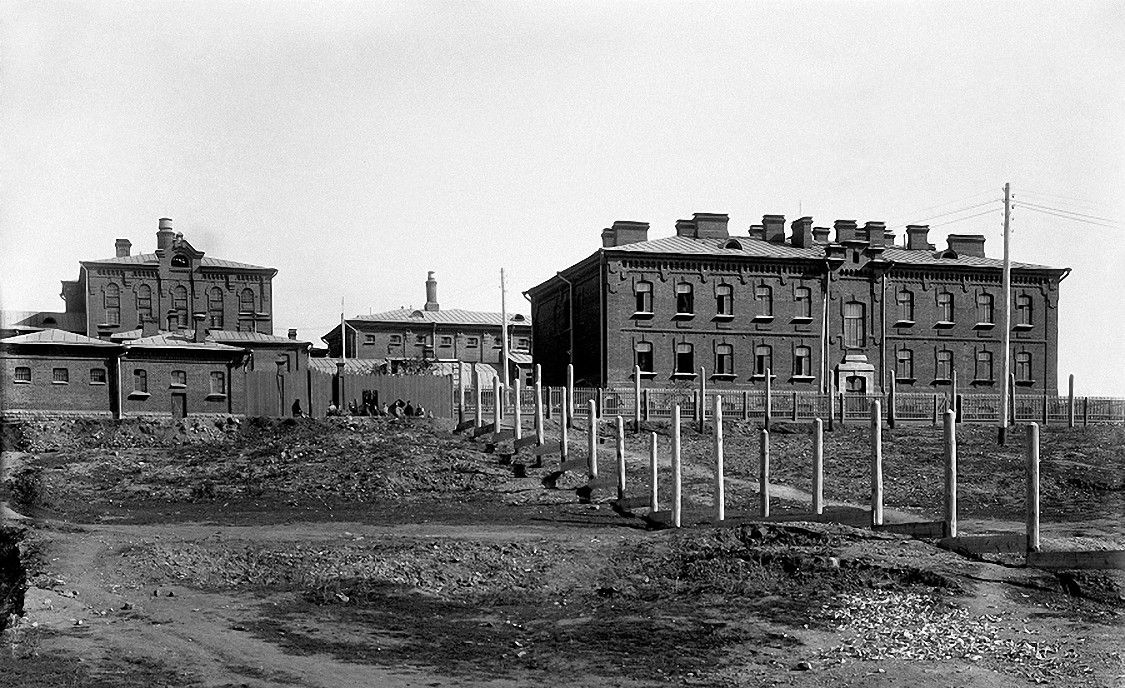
{"x": 710, "y": 225}
{"x": 802, "y": 233}
{"x": 624, "y": 232}
{"x": 148, "y": 327}
{"x": 775, "y": 228}
{"x": 916, "y": 239}
{"x": 889, "y": 238}
{"x": 123, "y": 246}
{"x": 845, "y": 231}
{"x": 820, "y": 235}
{"x": 875, "y": 232}
{"x": 757, "y": 232}
{"x": 431, "y": 292}
{"x": 293, "y": 333}
{"x": 199, "y": 331}
{"x": 967, "y": 244}
{"x": 164, "y": 234}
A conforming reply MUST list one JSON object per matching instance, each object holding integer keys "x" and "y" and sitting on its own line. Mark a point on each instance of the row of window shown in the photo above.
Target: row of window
{"x": 802, "y": 296}
{"x": 446, "y": 341}
{"x": 685, "y": 364}
{"x": 176, "y": 379}
{"x": 983, "y": 370}
{"x": 179, "y": 314}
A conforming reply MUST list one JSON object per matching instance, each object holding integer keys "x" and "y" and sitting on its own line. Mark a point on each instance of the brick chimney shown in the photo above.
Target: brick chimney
{"x": 199, "y": 328}
{"x": 164, "y": 234}
{"x": 875, "y": 232}
{"x": 711, "y": 225}
{"x": 916, "y": 238}
{"x": 123, "y": 246}
{"x": 889, "y": 238}
{"x": 845, "y": 231}
{"x": 775, "y": 228}
{"x": 757, "y": 232}
{"x": 293, "y": 333}
{"x": 431, "y": 293}
{"x": 624, "y": 232}
{"x": 802, "y": 232}
{"x": 820, "y": 234}
{"x": 967, "y": 244}
{"x": 149, "y": 327}
{"x": 685, "y": 228}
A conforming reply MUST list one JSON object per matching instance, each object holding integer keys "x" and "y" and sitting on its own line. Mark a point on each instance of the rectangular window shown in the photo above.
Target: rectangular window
{"x": 724, "y": 300}
{"x": 764, "y": 296}
{"x": 984, "y": 309}
{"x": 23, "y": 374}
{"x": 945, "y": 306}
{"x": 178, "y": 378}
{"x": 984, "y": 367}
{"x": 906, "y": 305}
{"x": 855, "y": 332}
{"x": 803, "y": 296}
{"x": 1023, "y": 310}
{"x": 685, "y": 360}
{"x": 904, "y": 364}
{"x": 643, "y": 354}
{"x": 1023, "y": 366}
{"x": 685, "y": 301}
{"x": 60, "y": 376}
{"x": 944, "y": 367}
{"x": 724, "y": 359}
{"x": 396, "y": 340}
{"x": 496, "y": 342}
{"x": 802, "y": 362}
{"x": 140, "y": 381}
{"x": 218, "y": 383}
{"x": 97, "y": 376}
{"x": 420, "y": 340}
{"x": 523, "y": 343}
{"x": 446, "y": 341}
{"x": 368, "y": 339}
{"x": 643, "y": 292}
{"x": 763, "y": 360}
{"x": 472, "y": 342}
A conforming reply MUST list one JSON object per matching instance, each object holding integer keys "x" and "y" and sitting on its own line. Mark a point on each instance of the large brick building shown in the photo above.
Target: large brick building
{"x": 406, "y": 335}
{"x": 820, "y": 313}
{"x": 172, "y": 286}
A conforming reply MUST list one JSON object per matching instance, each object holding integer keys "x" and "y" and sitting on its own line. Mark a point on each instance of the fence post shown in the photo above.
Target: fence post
{"x": 769, "y": 398}
{"x": 764, "y": 475}
{"x": 950, "y": 474}
{"x": 1070, "y": 403}
{"x": 831, "y": 408}
{"x": 794, "y": 407}
{"x": 647, "y": 413}
{"x": 892, "y": 409}
{"x": 1046, "y": 412}
{"x": 477, "y": 398}
{"x": 1032, "y": 454}
{"x": 568, "y": 398}
{"x": 652, "y": 471}
{"x": 496, "y": 403}
{"x": 745, "y": 405}
{"x": 517, "y": 412}
{"x": 460, "y": 393}
{"x": 720, "y": 488}
{"x": 818, "y": 467}
{"x": 636, "y": 398}
{"x": 702, "y": 397}
{"x": 953, "y": 393}
{"x": 1085, "y": 411}
{"x": 564, "y": 421}
{"x": 677, "y": 480}
{"x": 538, "y": 412}
{"x": 876, "y": 464}
{"x": 620, "y": 458}
{"x": 599, "y": 395}
{"x": 547, "y": 403}
{"x": 843, "y": 409}
{"x": 592, "y": 440}
{"x": 957, "y": 405}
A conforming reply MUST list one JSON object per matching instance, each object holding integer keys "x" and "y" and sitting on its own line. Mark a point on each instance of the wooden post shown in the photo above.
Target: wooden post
{"x": 599, "y": 394}
{"x": 478, "y": 418}
{"x": 1085, "y": 411}
{"x": 957, "y": 405}
{"x": 951, "y": 473}
{"x": 1011, "y": 399}
{"x": 547, "y": 403}
{"x": 953, "y": 392}
{"x": 620, "y": 458}
{"x": 647, "y": 409}
{"x": 592, "y": 440}
{"x": 517, "y": 412}
{"x": 769, "y": 398}
{"x": 794, "y": 407}
{"x": 702, "y": 397}
{"x": 1032, "y": 454}
{"x": 652, "y": 472}
{"x": 818, "y": 467}
{"x": 568, "y": 398}
{"x": 1070, "y": 404}
{"x": 892, "y": 409}
{"x": 764, "y": 475}
{"x": 460, "y": 393}
{"x": 876, "y": 464}
{"x": 1046, "y": 411}
{"x": 745, "y": 405}
{"x": 720, "y": 488}
{"x": 677, "y": 478}
{"x": 496, "y": 403}
{"x": 636, "y": 398}
{"x": 831, "y": 408}
{"x": 564, "y": 421}
{"x": 843, "y": 409}
{"x": 937, "y": 409}
{"x": 538, "y": 413}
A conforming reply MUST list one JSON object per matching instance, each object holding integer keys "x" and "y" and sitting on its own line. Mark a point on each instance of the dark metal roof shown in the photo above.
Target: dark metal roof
{"x": 151, "y": 259}
{"x": 454, "y": 316}
{"x": 52, "y": 336}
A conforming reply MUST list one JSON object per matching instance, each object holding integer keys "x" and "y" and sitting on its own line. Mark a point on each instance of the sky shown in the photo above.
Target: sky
{"x": 356, "y": 146}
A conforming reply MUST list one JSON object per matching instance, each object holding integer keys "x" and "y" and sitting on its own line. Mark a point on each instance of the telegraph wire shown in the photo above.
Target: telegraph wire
{"x": 959, "y": 210}
{"x": 1071, "y": 212}
{"x": 968, "y": 217}
{"x": 927, "y": 209}
{"x": 1070, "y": 217}
{"x": 1071, "y": 199}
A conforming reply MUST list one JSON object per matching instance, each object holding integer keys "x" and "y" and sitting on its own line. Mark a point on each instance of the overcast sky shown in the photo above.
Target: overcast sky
{"x": 354, "y": 146}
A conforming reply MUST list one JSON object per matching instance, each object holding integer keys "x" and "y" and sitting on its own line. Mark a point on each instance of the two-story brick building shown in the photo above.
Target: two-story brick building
{"x": 818, "y": 313}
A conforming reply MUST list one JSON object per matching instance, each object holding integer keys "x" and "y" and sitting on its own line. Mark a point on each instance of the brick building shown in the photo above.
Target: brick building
{"x": 820, "y": 313}
{"x": 405, "y": 335}
{"x": 172, "y": 286}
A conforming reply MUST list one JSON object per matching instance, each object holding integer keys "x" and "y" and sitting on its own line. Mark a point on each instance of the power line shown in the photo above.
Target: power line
{"x": 1071, "y": 212}
{"x": 1072, "y": 199}
{"x": 1069, "y": 217}
{"x": 914, "y": 213}
{"x": 968, "y": 217}
{"x": 959, "y": 210}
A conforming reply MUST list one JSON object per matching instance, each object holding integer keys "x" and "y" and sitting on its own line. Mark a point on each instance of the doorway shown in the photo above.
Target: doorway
{"x": 179, "y": 405}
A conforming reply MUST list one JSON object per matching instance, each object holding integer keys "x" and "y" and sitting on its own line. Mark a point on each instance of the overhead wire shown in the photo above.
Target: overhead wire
{"x": 959, "y": 210}
{"x": 1064, "y": 210}
{"x": 968, "y": 217}
{"x": 927, "y": 209}
{"x": 1071, "y": 199}
{"x": 1069, "y": 217}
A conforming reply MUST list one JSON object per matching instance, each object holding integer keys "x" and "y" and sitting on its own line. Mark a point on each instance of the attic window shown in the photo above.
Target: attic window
{"x": 416, "y": 314}
{"x": 518, "y": 317}
{"x": 733, "y": 243}
{"x": 948, "y": 253}
{"x": 180, "y": 261}
{"x": 49, "y": 321}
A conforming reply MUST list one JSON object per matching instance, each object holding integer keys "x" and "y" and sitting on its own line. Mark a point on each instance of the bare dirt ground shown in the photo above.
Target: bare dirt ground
{"x": 383, "y": 553}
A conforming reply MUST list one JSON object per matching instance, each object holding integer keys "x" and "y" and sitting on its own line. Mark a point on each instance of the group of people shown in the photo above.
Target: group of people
{"x": 399, "y": 409}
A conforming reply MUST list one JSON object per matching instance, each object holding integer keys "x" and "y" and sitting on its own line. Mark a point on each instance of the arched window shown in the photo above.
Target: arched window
{"x": 144, "y": 303}
{"x": 112, "y": 301}
{"x": 802, "y": 362}
{"x": 180, "y": 261}
{"x": 246, "y": 301}
{"x": 724, "y": 359}
{"x": 764, "y": 296}
{"x": 803, "y": 296}
{"x": 215, "y": 308}
{"x": 180, "y": 306}
{"x": 685, "y": 300}
{"x": 685, "y": 359}
{"x": 855, "y": 330}
{"x": 984, "y": 308}
{"x": 906, "y": 305}
{"x": 763, "y": 360}
{"x": 643, "y": 292}
{"x": 724, "y": 300}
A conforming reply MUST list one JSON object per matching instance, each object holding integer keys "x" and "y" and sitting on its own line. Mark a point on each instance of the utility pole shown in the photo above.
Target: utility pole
{"x": 1006, "y": 301}
{"x": 503, "y": 332}
{"x": 343, "y": 334}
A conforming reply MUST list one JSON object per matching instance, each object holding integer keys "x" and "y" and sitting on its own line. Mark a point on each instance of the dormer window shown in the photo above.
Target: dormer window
{"x": 733, "y": 243}
{"x": 180, "y": 261}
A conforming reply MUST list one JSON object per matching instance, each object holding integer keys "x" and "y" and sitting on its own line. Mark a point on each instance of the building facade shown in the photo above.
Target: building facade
{"x": 819, "y": 312}
{"x": 405, "y": 337}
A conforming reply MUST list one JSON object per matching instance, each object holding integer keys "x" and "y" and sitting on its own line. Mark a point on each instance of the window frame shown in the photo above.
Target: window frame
{"x": 945, "y": 309}
{"x": 1021, "y": 367}
{"x": 978, "y": 360}
{"x": 1025, "y": 312}
{"x": 904, "y": 365}
{"x": 222, "y": 378}
{"x": 104, "y": 376}
{"x": 855, "y": 326}
{"x": 112, "y": 293}
{"x": 986, "y": 312}
{"x": 143, "y": 299}
{"x": 803, "y": 295}
{"x": 681, "y": 349}
{"x": 472, "y": 342}
{"x": 763, "y": 361}
{"x": 172, "y": 379}
{"x": 18, "y": 375}
{"x": 63, "y": 379}
{"x": 724, "y": 361}
{"x": 905, "y": 302}
{"x": 140, "y": 383}
{"x": 763, "y": 292}
{"x": 641, "y": 350}
{"x": 685, "y": 300}
{"x": 642, "y": 298}
{"x": 943, "y": 358}
{"x": 215, "y": 307}
{"x": 724, "y": 301}
{"x": 802, "y": 362}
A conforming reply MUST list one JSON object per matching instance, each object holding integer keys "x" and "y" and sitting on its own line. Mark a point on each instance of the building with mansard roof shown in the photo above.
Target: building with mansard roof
{"x": 821, "y": 309}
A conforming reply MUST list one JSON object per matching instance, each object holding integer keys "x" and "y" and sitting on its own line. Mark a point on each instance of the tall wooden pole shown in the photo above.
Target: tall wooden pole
{"x": 1032, "y": 452}
{"x": 876, "y": 464}
{"x": 653, "y": 473}
{"x": 951, "y": 473}
{"x": 764, "y": 474}
{"x": 620, "y": 457}
{"x": 538, "y": 412}
{"x": 720, "y": 487}
{"x": 592, "y": 439}
{"x": 818, "y": 467}
{"x": 1006, "y": 306}
{"x": 564, "y": 420}
{"x": 517, "y": 412}
{"x": 636, "y": 398}
{"x": 504, "y": 331}
{"x": 677, "y": 480}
